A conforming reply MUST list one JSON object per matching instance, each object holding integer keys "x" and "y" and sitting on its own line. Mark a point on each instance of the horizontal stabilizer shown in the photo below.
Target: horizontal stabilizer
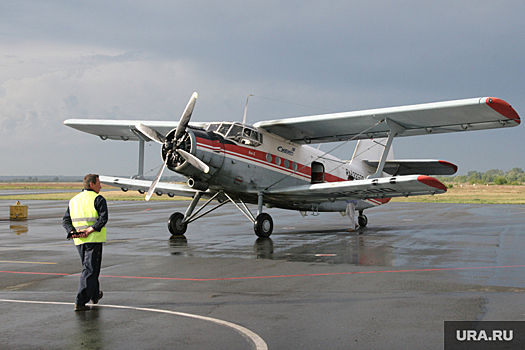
{"x": 415, "y": 167}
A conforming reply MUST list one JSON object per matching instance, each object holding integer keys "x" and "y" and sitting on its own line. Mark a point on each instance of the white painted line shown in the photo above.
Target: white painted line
{"x": 27, "y": 262}
{"x": 257, "y": 341}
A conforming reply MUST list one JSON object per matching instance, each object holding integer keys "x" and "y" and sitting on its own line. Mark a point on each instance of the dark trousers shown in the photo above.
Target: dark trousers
{"x": 91, "y": 257}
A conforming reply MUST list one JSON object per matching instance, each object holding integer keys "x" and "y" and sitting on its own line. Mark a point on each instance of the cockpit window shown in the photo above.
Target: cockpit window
{"x": 237, "y": 132}
{"x": 245, "y": 135}
{"x": 213, "y": 126}
{"x": 224, "y": 128}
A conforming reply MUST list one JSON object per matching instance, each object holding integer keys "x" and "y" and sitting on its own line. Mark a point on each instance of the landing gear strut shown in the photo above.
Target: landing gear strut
{"x": 178, "y": 222}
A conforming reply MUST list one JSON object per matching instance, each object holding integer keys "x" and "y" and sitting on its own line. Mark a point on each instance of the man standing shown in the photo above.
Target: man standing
{"x": 84, "y": 221}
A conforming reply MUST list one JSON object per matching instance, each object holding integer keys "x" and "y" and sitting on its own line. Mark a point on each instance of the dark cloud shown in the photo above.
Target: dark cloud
{"x": 142, "y": 60}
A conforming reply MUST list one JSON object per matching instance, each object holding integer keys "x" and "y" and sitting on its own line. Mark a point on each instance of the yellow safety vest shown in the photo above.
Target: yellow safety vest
{"x": 83, "y": 214}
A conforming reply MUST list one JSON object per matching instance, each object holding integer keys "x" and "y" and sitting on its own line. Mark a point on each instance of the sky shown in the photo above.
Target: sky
{"x": 143, "y": 60}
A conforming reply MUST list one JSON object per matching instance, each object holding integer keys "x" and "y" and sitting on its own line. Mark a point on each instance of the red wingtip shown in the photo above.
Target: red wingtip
{"x": 503, "y": 108}
{"x": 432, "y": 182}
{"x": 453, "y": 166}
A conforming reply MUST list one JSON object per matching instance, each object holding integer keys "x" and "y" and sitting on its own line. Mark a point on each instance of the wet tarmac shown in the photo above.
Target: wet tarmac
{"x": 312, "y": 285}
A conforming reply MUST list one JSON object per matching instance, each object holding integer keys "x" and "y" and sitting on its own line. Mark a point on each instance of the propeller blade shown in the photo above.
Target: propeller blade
{"x": 150, "y": 133}
{"x": 185, "y": 118}
{"x": 196, "y": 162}
{"x": 156, "y": 181}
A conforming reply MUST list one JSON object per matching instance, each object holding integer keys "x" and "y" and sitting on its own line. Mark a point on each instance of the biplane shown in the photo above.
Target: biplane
{"x": 272, "y": 164}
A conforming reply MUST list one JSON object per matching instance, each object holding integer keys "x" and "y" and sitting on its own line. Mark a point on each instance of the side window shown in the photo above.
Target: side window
{"x": 251, "y": 137}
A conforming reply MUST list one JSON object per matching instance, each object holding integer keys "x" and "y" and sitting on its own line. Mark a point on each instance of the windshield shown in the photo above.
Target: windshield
{"x": 223, "y": 129}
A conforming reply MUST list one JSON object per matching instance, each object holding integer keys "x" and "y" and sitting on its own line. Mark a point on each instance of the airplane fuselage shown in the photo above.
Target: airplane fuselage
{"x": 250, "y": 161}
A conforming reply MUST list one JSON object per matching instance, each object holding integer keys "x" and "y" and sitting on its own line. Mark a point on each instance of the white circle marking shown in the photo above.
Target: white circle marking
{"x": 245, "y": 332}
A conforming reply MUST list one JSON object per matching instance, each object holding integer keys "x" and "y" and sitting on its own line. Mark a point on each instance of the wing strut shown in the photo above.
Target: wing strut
{"x": 395, "y": 129}
{"x": 142, "y": 142}
{"x": 140, "y": 174}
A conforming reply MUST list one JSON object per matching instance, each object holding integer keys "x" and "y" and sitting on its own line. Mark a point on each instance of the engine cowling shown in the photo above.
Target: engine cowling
{"x": 175, "y": 161}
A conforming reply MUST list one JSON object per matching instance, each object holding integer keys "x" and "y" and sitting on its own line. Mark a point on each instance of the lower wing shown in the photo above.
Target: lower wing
{"x": 386, "y": 187}
{"x": 170, "y": 189}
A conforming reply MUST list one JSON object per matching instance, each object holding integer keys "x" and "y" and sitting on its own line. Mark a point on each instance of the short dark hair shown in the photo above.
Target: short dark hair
{"x": 90, "y": 179}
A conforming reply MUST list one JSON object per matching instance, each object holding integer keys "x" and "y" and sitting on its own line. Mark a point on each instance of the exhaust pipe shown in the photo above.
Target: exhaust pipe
{"x": 197, "y": 185}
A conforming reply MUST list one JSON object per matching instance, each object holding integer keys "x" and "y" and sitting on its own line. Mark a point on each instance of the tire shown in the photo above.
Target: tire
{"x": 362, "y": 220}
{"x": 263, "y": 225}
{"x": 175, "y": 224}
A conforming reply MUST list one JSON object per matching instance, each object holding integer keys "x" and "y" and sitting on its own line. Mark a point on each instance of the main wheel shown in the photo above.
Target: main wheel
{"x": 263, "y": 225}
{"x": 362, "y": 220}
{"x": 176, "y": 225}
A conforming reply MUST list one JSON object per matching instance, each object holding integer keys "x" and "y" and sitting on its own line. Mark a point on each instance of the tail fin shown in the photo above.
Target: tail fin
{"x": 371, "y": 149}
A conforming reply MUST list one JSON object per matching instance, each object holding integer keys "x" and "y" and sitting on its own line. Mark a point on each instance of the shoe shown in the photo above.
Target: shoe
{"x": 82, "y": 308}
{"x": 100, "y": 295}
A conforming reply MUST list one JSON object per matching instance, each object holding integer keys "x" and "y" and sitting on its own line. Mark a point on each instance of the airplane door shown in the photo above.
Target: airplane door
{"x": 317, "y": 173}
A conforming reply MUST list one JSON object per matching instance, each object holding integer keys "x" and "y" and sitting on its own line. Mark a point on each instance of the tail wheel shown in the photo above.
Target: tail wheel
{"x": 176, "y": 226}
{"x": 362, "y": 220}
{"x": 263, "y": 225}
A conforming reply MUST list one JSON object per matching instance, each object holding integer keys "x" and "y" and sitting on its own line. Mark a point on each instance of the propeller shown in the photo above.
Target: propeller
{"x": 150, "y": 133}
{"x": 179, "y": 133}
{"x": 185, "y": 118}
{"x": 196, "y": 162}
{"x": 156, "y": 181}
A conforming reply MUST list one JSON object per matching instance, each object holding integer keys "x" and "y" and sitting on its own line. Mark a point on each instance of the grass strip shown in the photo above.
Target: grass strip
{"x": 473, "y": 194}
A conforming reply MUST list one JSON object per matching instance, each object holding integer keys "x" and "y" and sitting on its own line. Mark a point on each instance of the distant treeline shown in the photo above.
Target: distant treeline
{"x": 41, "y": 179}
{"x": 515, "y": 176}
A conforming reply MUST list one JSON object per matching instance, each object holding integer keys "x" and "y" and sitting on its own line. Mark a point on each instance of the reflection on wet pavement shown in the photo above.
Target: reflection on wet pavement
{"x": 398, "y": 235}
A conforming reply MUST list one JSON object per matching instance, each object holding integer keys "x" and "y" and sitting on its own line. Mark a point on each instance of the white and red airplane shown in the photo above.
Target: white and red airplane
{"x": 270, "y": 163}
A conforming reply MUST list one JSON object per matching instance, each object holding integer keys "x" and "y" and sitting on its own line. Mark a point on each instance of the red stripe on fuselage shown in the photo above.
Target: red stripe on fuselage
{"x": 260, "y": 158}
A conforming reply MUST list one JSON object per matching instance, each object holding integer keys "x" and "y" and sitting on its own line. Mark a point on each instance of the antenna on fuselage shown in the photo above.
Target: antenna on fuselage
{"x": 246, "y": 109}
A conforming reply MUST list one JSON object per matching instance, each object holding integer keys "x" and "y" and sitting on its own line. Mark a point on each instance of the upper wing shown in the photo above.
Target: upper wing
{"x": 415, "y": 167}
{"x": 143, "y": 185}
{"x": 399, "y": 186}
{"x": 120, "y": 129}
{"x": 440, "y": 117}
